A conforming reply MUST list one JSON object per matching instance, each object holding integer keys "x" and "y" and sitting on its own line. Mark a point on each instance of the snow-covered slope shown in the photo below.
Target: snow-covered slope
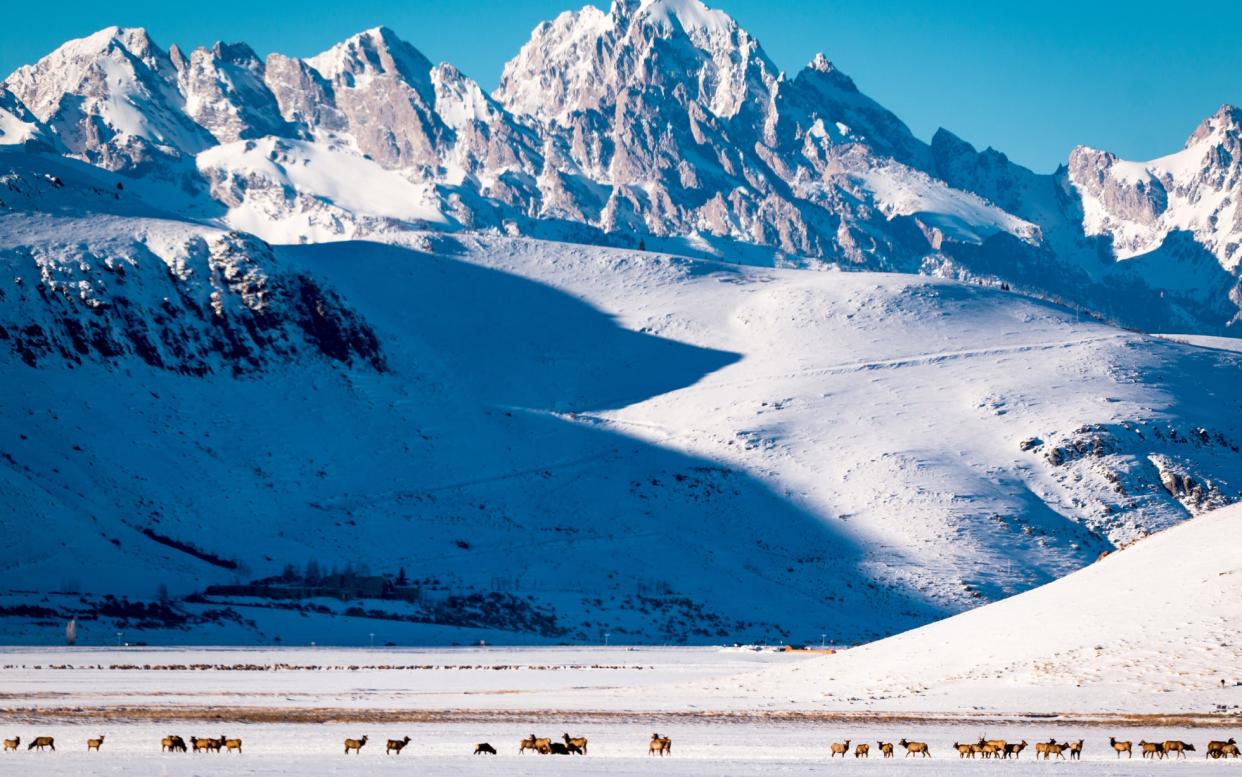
{"x": 661, "y": 448}
{"x": 1150, "y": 627}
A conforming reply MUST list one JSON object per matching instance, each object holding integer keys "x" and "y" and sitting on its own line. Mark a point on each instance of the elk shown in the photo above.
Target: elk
{"x": 173, "y": 744}
{"x": 1152, "y": 749}
{"x": 355, "y": 744}
{"x": 557, "y": 748}
{"x": 42, "y": 742}
{"x": 863, "y": 750}
{"x": 1015, "y": 750}
{"x": 659, "y": 745}
{"x": 1052, "y": 748}
{"x": 1230, "y": 750}
{"x": 233, "y": 744}
{"x": 1121, "y": 747}
{"x": 1076, "y": 750}
{"x": 528, "y": 744}
{"x": 575, "y": 744}
{"x": 395, "y": 745}
{"x": 886, "y": 748}
{"x": 840, "y": 748}
{"x": 484, "y": 748}
{"x": 964, "y": 751}
{"x": 998, "y": 745}
{"x": 1214, "y": 747}
{"x": 202, "y": 744}
{"x": 94, "y": 744}
{"x": 11, "y": 744}
{"x": 915, "y": 747}
{"x": 1176, "y": 746}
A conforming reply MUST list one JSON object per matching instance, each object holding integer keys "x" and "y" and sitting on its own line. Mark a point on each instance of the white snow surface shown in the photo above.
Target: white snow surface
{"x": 1150, "y": 627}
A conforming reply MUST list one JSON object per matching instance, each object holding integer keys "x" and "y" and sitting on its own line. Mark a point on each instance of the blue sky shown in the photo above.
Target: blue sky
{"x": 1030, "y": 78}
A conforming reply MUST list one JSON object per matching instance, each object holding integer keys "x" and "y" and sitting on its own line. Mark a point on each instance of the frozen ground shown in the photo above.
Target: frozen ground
{"x": 615, "y": 749}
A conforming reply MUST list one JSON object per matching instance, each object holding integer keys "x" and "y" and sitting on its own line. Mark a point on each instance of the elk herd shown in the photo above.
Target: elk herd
{"x": 662, "y": 746}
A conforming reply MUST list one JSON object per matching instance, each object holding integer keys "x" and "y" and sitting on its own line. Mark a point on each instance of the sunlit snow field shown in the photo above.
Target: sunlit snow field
{"x": 448, "y": 700}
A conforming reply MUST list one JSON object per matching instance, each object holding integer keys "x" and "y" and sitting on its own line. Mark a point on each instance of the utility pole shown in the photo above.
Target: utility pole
{"x": 823, "y": 641}
{"x": 607, "y": 634}
{"x": 373, "y": 639}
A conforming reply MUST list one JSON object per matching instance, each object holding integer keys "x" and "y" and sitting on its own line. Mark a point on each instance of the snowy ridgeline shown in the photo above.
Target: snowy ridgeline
{"x": 662, "y": 123}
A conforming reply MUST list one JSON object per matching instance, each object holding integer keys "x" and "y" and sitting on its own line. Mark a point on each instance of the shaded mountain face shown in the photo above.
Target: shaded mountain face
{"x": 660, "y": 121}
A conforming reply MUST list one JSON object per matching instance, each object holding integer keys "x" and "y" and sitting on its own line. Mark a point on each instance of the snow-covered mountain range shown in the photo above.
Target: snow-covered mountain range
{"x": 353, "y": 310}
{"x": 659, "y": 121}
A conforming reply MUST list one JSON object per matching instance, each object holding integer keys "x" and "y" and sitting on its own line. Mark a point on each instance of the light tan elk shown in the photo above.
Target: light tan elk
{"x": 1015, "y": 750}
{"x": 41, "y": 742}
{"x": 202, "y": 744}
{"x": 1152, "y": 749}
{"x": 863, "y": 750}
{"x": 541, "y": 745}
{"x": 997, "y": 745}
{"x": 1171, "y": 746}
{"x": 1228, "y": 750}
{"x": 173, "y": 744}
{"x": 886, "y": 748}
{"x": 1054, "y": 749}
{"x": 575, "y": 744}
{"x": 915, "y": 747}
{"x": 1121, "y": 747}
{"x": 1214, "y": 747}
{"x": 94, "y": 744}
{"x": 660, "y": 746}
{"x": 355, "y": 744}
{"x": 840, "y": 748}
{"x": 1076, "y": 750}
{"x": 11, "y": 744}
{"x": 964, "y": 751}
{"x": 484, "y": 748}
{"x": 232, "y": 744}
{"x": 396, "y": 745}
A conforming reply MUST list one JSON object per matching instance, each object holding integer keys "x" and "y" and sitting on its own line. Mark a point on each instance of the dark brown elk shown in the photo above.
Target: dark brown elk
{"x": 41, "y": 742}
{"x": 1171, "y": 746}
{"x": 484, "y": 748}
{"x": 576, "y": 744}
{"x": 11, "y": 744}
{"x": 232, "y": 744}
{"x": 1015, "y": 751}
{"x": 396, "y": 745}
{"x": 355, "y": 744}
{"x": 558, "y": 748}
{"x": 1121, "y": 747}
{"x": 915, "y": 747}
{"x": 95, "y": 744}
{"x": 886, "y": 748}
{"x": 863, "y": 750}
{"x": 660, "y": 746}
{"x": 840, "y": 748}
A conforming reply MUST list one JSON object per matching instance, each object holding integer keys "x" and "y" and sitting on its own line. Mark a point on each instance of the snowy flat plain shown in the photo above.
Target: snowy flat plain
{"x": 615, "y": 749}
{"x": 447, "y": 700}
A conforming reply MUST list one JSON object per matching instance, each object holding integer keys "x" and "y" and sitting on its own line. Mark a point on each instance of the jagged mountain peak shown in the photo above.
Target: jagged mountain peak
{"x": 1227, "y": 121}
{"x": 375, "y": 52}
